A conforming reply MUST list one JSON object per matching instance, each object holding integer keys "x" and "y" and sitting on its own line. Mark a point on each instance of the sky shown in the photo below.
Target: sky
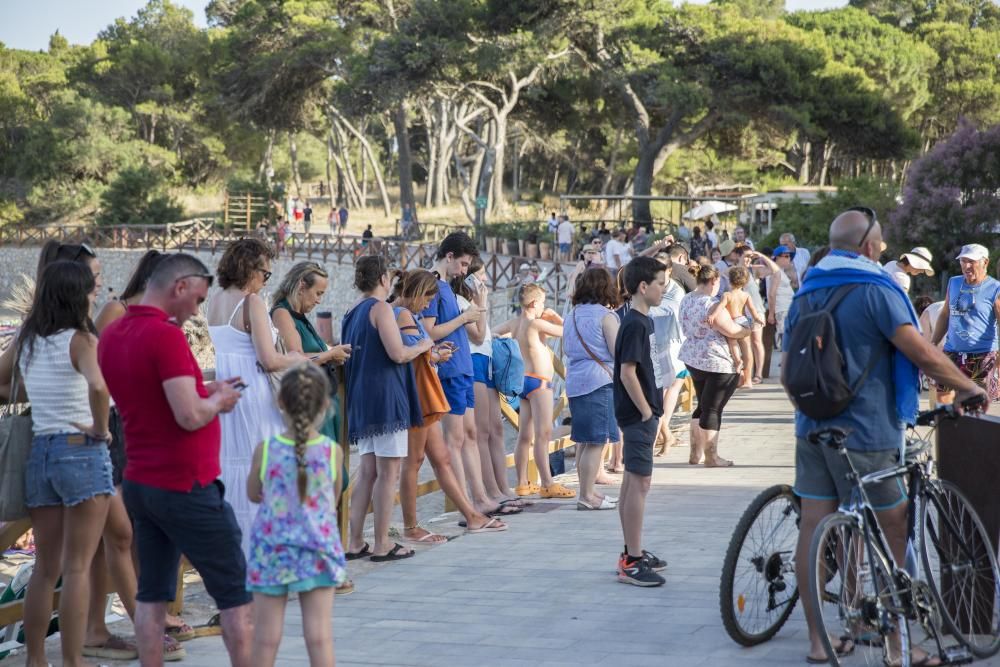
{"x": 27, "y": 24}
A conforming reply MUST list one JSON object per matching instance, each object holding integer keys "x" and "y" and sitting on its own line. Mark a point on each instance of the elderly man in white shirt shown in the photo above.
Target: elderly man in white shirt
{"x": 740, "y": 237}
{"x": 800, "y": 256}
{"x": 913, "y": 263}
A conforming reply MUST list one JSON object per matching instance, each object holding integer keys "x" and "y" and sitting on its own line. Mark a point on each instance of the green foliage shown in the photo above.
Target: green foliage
{"x": 138, "y": 196}
{"x": 810, "y": 222}
{"x": 9, "y": 213}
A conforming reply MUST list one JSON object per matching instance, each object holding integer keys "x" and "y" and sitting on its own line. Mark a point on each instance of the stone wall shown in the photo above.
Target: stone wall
{"x": 117, "y": 267}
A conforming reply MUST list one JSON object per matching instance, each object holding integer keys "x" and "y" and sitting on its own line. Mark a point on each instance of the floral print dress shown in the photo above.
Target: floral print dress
{"x": 295, "y": 544}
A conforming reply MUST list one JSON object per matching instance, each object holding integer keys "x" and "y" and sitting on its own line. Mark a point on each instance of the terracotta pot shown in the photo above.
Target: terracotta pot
{"x": 545, "y": 250}
{"x": 531, "y": 250}
{"x": 491, "y": 244}
{"x": 513, "y": 247}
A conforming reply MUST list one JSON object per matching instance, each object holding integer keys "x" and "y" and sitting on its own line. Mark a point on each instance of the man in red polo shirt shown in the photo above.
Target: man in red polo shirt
{"x": 172, "y": 437}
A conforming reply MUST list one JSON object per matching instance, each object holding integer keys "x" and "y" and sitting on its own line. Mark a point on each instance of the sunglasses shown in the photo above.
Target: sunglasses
{"x": 872, "y": 219}
{"x": 267, "y": 275}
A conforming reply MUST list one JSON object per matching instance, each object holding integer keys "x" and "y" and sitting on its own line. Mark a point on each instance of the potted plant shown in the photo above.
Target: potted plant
{"x": 545, "y": 247}
{"x": 513, "y": 246}
{"x": 531, "y": 244}
{"x": 491, "y": 233}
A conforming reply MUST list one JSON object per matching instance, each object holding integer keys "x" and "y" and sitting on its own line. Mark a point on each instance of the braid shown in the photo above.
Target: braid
{"x": 303, "y": 393}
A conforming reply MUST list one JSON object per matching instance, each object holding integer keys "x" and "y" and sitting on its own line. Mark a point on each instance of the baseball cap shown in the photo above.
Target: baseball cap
{"x": 727, "y": 247}
{"x": 781, "y": 250}
{"x": 590, "y": 247}
{"x": 920, "y": 258}
{"x": 974, "y": 251}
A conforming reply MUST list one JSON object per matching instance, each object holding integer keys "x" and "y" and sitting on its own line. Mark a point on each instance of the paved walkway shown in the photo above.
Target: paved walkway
{"x": 544, "y": 593}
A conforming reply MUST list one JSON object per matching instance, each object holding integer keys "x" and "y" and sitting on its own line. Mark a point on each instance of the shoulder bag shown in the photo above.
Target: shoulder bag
{"x": 15, "y": 447}
{"x": 273, "y": 378}
{"x": 587, "y": 349}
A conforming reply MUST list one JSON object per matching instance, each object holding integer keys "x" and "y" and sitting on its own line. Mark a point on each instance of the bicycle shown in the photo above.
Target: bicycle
{"x": 867, "y": 597}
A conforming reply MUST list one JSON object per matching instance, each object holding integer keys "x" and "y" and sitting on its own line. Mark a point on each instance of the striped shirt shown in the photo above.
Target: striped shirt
{"x": 57, "y": 391}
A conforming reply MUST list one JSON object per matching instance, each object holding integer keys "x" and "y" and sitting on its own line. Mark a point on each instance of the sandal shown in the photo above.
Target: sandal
{"x": 345, "y": 588}
{"x": 172, "y": 649}
{"x": 841, "y": 649}
{"x": 366, "y": 550}
{"x": 397, "y": 552}
{"x": 181, "y": 633}
{"x": 115, "y": 647}
{"x": 427, "y": 538}
{"x": 210, "y": 629}
{"x": 504, "y": 510}
{"x": 528, "y": 489}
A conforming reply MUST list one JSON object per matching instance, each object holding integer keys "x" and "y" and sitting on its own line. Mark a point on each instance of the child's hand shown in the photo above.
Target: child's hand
{"x": 758, "y": 320}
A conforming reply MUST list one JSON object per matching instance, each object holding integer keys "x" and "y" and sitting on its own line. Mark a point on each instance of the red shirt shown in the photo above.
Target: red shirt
{"x": 137, "y": 354}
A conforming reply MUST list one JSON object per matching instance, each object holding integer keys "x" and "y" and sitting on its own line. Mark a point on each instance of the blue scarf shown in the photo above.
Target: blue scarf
{"x": 844, "y": 268}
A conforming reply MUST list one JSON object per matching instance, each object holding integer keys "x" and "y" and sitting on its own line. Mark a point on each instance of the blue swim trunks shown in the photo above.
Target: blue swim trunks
{"x": 481, "y": 371}
{"x": 458, "y": 390}
{"x": 533, "y": 383}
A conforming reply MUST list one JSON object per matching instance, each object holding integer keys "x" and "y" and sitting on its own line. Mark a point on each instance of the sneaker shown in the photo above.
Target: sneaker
{"x": 655, "y": 564}
{"x": 638, "y": 573}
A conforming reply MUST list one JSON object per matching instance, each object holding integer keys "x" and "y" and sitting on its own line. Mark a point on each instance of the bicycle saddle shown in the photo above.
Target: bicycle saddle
{"x": 833, "y": 437}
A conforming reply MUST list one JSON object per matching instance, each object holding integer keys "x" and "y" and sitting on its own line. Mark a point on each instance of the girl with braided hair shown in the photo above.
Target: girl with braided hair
{"x": 294, "y": 544}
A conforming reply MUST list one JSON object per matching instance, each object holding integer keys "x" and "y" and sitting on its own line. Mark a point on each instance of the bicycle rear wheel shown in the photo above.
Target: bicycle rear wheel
{"x": 850, "y": 594}
{"x": 960, "y": 566}
{"x": 758, "y": 590}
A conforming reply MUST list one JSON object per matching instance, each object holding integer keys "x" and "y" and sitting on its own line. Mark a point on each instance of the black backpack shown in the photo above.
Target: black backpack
{"x": 813, "y": 373}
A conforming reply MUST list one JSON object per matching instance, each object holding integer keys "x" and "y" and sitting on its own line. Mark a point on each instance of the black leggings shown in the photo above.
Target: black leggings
{"x": 713, "y": 390}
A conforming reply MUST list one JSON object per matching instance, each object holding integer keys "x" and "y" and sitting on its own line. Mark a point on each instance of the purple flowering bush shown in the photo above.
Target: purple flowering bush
{"x": 952, "y": 197}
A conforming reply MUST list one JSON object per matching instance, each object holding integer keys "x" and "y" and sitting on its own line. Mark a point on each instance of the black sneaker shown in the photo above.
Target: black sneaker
{"x": 655, "y": 564}
{"x": 638, "y": 573}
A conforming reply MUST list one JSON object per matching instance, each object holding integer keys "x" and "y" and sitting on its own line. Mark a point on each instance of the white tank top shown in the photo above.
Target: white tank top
{"x": 58, "y": 393}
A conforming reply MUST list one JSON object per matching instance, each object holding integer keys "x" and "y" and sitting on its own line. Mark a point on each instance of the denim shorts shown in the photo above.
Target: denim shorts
{"x": 66, "y": 469}
{"x": 821, "y": 474}
{"x": 481, "y": 371}
{"x": 198, "y": 523}
{"x": 594, "y": 420}
{"x": 458, "y": 390}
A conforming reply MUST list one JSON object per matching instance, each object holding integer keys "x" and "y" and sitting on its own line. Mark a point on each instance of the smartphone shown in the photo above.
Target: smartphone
{"x": 240, "y": 386}
{"x": 472, "y": 282}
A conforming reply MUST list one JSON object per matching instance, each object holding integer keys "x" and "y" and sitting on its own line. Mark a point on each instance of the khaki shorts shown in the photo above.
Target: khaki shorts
{"x": 821, "y": 474}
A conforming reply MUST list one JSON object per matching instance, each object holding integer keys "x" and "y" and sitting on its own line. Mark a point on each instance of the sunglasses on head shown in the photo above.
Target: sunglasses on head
{"x": 872, "y": 219}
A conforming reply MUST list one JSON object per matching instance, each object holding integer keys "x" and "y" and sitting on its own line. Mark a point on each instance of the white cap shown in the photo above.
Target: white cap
{"x": 974, "y": 251}
{"x": 920, "y": 258}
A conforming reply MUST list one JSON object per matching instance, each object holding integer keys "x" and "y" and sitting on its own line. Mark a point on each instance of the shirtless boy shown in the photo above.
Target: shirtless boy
{"x": 737, "y": 301}
{"x": 530, "y": 329}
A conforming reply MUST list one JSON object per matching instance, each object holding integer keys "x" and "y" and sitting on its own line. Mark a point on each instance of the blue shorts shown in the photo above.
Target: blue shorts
{"x": 323, "y": 580}
{"x": 66, "y": 469}
{"x": 533, "y": 383}
{"x": 594, "y": 420}
{"x": 683, "y": 375}
{"x": 458, "y": 390}
{"x": 564, "y": 248}
{"x": 481, "y": 370}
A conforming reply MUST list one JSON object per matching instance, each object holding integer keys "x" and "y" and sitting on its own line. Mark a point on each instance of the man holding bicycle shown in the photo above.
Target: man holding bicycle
{"x": 879, "y": 338}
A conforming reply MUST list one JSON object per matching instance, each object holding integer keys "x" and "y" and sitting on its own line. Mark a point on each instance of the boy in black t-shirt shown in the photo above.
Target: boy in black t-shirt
{"x": 638, "y": 390}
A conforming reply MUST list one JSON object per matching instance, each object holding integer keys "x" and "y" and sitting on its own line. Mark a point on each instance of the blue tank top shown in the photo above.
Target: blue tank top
{"x": 380, "y": 392}
{"x": 410, "y": 338}
{"x": 972, "y": 322}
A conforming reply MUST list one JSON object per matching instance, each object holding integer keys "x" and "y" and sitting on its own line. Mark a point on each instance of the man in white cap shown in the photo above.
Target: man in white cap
{"x": 968, "y": 323}
{"x": 913, "y": 263}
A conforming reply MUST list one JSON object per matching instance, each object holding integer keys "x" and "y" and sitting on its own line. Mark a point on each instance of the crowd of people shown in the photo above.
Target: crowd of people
{"x": 134, "y": 452}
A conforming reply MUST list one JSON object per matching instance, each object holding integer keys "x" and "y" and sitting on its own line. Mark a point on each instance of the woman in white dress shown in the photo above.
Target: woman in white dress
{"x": 244, "y": 341}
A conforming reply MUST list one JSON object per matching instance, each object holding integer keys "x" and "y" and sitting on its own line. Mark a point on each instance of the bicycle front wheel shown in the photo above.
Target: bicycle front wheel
{"x": 851, "y": 594}
{"x": 961, "y": 568}
{"x": 758, "y": 589}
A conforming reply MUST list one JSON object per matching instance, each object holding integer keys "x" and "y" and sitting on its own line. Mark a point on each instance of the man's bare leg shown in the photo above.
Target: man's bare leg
{"x": 237, "y": 633}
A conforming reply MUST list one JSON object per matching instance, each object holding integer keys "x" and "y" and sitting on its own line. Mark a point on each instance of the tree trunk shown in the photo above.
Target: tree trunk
{"x": 293, "y": 153}
{"x": 464, "y": 189}
{"x": 805, "y": 149}
{"x": 266, "y": 171}
{"x": 367, "y": 148}
{"x": 329, "y": 175}
{"x": 827, "y": 157}
{"x": 344, "y": 163}
{"x": 515, "y": 177}
{"x": 405, "y": 158}
{"x": 609, "y": 173}
{"x": 499, "y": 203}
{"x": 555, "y": 178}
{"x": 432, "y": 155}
{"x": 642, "y": 184}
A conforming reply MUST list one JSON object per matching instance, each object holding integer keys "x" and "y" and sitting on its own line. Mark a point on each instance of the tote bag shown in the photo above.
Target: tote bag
{"x": 15, "y": 446}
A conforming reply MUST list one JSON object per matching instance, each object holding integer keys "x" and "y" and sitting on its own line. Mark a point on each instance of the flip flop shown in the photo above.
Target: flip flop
{"x": 428, "y": 538}
{"x": 345, "y": 588}
{"x": 606, "y": 504}
{"x": 366, "y": 550}
{"x": 212, "y": 628}
{"x": 115, "y": 647}
{"x": 395, "y": 553}
{"x": 172, "y": 649}
{"x": 491, "y": 526}
{"x": 505, "y": 510}
{"x": 516, "y": 502}
{"x": 838, "y": 649}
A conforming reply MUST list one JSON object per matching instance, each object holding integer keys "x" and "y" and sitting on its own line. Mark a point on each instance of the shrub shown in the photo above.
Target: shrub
{"x": 138, "y": 196}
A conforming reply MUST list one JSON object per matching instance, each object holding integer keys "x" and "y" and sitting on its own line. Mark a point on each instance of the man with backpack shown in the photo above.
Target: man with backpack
{"x": 851, "y": 354}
